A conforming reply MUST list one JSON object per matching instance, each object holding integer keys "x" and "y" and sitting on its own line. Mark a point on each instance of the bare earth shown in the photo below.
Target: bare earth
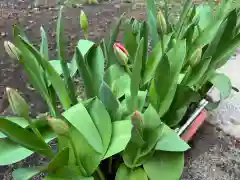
{"x": 214, "y": 155}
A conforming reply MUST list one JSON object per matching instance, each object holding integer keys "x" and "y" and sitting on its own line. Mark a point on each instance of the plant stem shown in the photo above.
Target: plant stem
{"x": 81, "y": 168}
{"x": 100, "y": 174}
{"x": 128, "y": 70}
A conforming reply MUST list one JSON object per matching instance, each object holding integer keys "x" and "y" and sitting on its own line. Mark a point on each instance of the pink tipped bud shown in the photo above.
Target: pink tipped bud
{"x": 121, "y": 53}
{"x": 137, "y": 119}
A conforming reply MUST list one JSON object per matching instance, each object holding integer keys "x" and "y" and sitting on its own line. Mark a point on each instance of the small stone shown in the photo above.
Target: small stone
{"x": 3, "y": 34}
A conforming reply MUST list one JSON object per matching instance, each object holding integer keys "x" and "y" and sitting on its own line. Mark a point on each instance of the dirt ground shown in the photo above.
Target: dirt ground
{"x": 214, "y": 155}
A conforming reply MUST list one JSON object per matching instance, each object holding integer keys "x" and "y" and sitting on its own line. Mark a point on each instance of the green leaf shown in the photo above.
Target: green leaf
{"x": 123, "y": 172}
{"x": 61, "y": 54}
{"x": 84, "y": 46}
{"x": 61, "y": 159}
{"x": 176, "y": 58}
{"x": 95, "y": 62}
{"x": 165, "y": 165}
{"x": 101, "y": 120}
{"x": 155, "y": 59}
{"x": 85, "y": 125}
{"x": 152, "y": 23}
{"x": 197, "y": 72}
{"x": 206, "y": 16}
{"x": 120, "y": 137}
{"x": 222, "y": 83}
{"x": 151, "y": 118}
{"x": 55, "y": 79}
{"x": 112, "y": 73}
{"x": 84, "y": 70}
{"x": 12, "y": 152}
{"x": 44, "y": 43}
{"x": 56, "y": 64}
{"x": 138, "y": 174}
{"x": 136, "y": 74}
{"x": 170, "y": 141}
{"x": 180, "y": 105}
{"x": 130, "y": 40}
{"x": 26, "y": 173}
{"x": 17, "y": 120}
{"x": 108, "y": 99}
{"x": 121, "y": 85}
{"x": 225, "y": 53}
{"x": 24, "y": 137}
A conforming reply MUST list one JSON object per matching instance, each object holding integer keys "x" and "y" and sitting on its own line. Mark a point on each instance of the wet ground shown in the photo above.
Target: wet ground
{"x": 215, "y": 156}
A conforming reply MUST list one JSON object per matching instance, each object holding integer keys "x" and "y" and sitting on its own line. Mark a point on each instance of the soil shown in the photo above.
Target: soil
{"x": 213, "y": 156}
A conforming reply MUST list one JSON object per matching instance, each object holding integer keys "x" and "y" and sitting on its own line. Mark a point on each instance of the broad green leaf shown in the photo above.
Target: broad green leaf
{"x": 70, "y": 172}
{"x": 155, "y": 59}
{"x": 55, "y": 79}
{"x": 121, "y": 85}
{"x": 165, "y": 166}
{"x": 26, "y": 173}
{"x": 226, "y": 52}
{"x": 197, "y": 72}
{"x": 84, "y": 70}
{"x": 12, "y": 152}
{"x": 152, "y": 24}
{"x": 17, "y": 120}
{"x": 84, "y": 46}
{"x": 85, "y": 125}
{"x": 222, "y": 83}
{"x": 102, "y": 121}
{"x": 138, "y": 174}
{"x": 170, "y": 141}
{"x": 56, "y": 64}
{"x": 44, "y": 43}
{"x": 120, "y": 137}
{"x": 151, "y": 118}
{"x": 180, "y": 105}
{"x": 61, "y": 54}
{"x": 130, "y": 40}
{"x": 112, "y": 73}
{"x": 123, "y": 172}
{"x": 205, "y": 37}
{"x": 61, "y": 159}
{"x": 144, "y": 34}
{"x": 24, "y": 137}
{"x": 136, "y": 74}
{"x": 176, "y": 58}
{"x": 108, "y": 99}
{"x": 206, "y": 16}
{"x": 95, "y": 63}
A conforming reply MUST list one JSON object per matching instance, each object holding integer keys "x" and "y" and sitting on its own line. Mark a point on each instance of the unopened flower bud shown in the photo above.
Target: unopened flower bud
{"x": 17, "y": 103}
{"x": 121, "y": 53}
{"x": 162, "y": 25}
{"x": 196, "y": 57}
{"x": 137, "y": 119}
{"x": 58, "y": 126}
{"x": 135, "y": 27}
{"x": 11, "y": 49}
{"x": 84, "y": 23}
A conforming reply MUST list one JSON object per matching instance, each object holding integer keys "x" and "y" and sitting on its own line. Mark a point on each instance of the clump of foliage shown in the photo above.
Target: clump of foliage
{"x": 123, "y": 127}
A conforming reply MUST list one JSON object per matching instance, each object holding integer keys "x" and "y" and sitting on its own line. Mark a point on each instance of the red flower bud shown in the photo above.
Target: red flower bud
{"x": 137, "y": 119}
{"x": 121, "y": 54}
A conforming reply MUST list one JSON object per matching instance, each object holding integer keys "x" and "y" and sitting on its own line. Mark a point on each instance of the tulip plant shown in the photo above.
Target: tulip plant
{"x": 121, "y": 128}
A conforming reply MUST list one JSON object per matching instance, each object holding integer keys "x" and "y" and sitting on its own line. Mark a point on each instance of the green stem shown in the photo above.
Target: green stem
{"x": 81, "y": 168}
{"x": 100, "y": 174}
{"x": 128, "y": 70}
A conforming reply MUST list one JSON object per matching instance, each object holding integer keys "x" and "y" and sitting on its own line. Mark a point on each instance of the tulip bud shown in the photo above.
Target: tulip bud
{"x": 135, "y": 27}
{"x": 162, "y": 25}
{"x": 121, "y": 54}
{"x": 137, "y": 119}
{"x": 11, "y": 49}
{"x": 196, "y": 57}
{"x": 17, "y": 103}
{"x": 84, "y": 23}
{"x": 59, "y": 126}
